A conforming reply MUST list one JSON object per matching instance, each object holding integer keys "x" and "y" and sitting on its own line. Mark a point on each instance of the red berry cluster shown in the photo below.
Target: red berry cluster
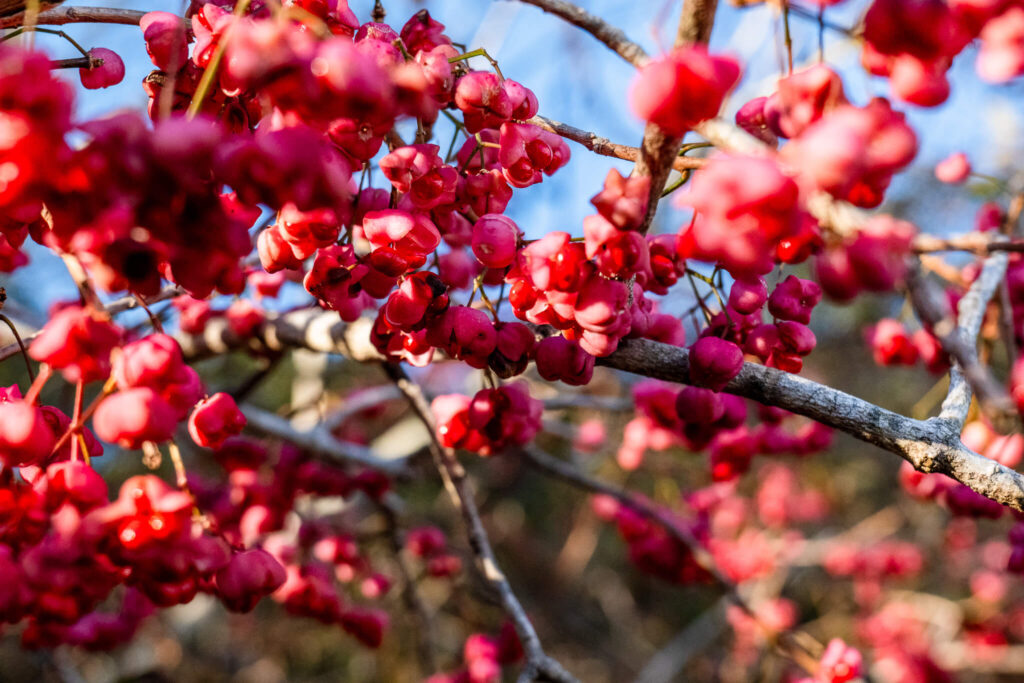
{"x": 492, "y": 421}
{"x": 484, "y": 656}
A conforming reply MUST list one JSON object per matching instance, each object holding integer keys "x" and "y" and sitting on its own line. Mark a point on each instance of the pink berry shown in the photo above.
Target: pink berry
{"x": 25, "y": 437}
{"x": 166, "y": 43}
{"x": 494, "y": 240}
{"x": 133, "y": 416}
{"x": 748, "y": 295}
{"x": 954, "y": 169}
{"x": 214, "y": 420}
{"x": 714, "y": 362}
{"x": 683, "y": 88}
{"x": 111, "y": 72}
{"x": 250, "y": 576}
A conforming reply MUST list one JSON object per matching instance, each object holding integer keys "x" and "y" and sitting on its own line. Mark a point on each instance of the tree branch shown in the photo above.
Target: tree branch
{"x": 958, "y": 337}
{"x": 319, "y": 441}
{"x": 929, "y": 445}
{"x": 360, "y": 401}
{"x": 696, "y": 22}
{"x": 77, "y": 15}
{"x": 603, "y": 146}
{"x": 658, "y": 149}
{"x": 673, "y": 657}
{"x": 424, "y": 624}
{"x": 981, "y": 243}
{"x": 313, "y": 329}
{"x": 76, "y": 63}
{"x": 538, "y": 664}
{"x": 612, "y": 36}
{"x": 613, "y": 404}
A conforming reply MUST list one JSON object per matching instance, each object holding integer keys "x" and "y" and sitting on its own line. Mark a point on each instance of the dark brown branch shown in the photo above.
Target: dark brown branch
{"x": 605, "y": 147}
{"x": 976, "y": 242}
{"x": 59, "y": 16}
{"x": 696, "y": 21}
{"x": 538, "y": 664}
{"x": 76, "y": 63}
{"x": 423, "y": 625}
{"x": 611, "y": 36}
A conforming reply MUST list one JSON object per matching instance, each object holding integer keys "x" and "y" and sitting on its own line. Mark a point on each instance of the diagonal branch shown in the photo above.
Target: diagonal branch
{"x": 538, "y": 664}
{"x": 958, "y": 337}
{"x": 610, "y": 35}
{"x": 658, "y": 149}
{"x": 672, "y": 658}
{"x": 424, "y": 623}
{"x": 929, "y": 445}
{"x": 605, "y": 147}
{"x": 319, "y": 441}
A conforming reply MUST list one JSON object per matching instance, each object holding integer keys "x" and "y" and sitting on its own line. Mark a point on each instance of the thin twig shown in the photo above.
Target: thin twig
{"x": 538, "y": 664}
{"x": 958, "y": 335}
{"x": 76, "y": 63}
{"x": 610, "y": 35}
{"x": 424, "y": 625}
{"x": 360, "y": 401}
{"x": 210, "y": 72}
{"x": 76, "y": 416}
{"x": 605, "y": 147}
{"x": 673, "y": 657}
{"x": 658, "y": 149}
{"x": 76, "y": 426}
{"x": 113, "y": 308}
{"x": 20, "y": 346}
